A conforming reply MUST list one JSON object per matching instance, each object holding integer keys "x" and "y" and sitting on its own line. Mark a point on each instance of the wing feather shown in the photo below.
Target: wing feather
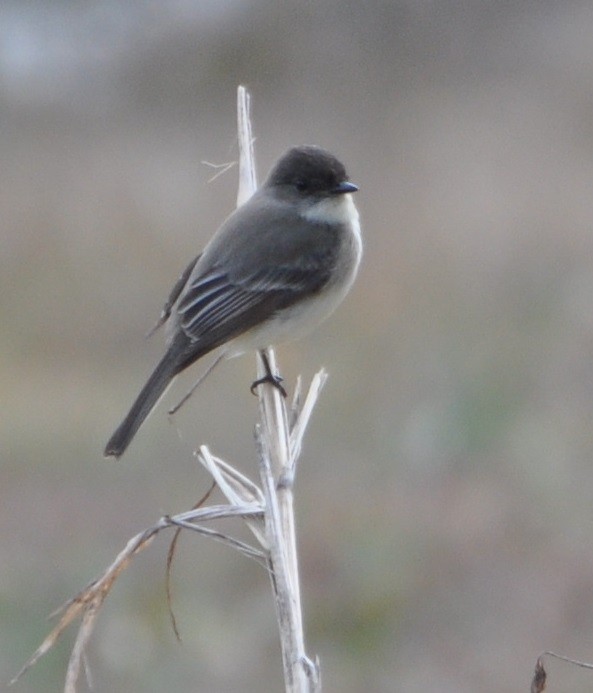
{"x": 201, "y": 293}
{"x": 214, "y": 304}
{"x": 225, "y": 296}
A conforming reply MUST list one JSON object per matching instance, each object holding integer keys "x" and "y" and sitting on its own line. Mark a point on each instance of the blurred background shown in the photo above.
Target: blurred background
{"x": 445, "y": 493}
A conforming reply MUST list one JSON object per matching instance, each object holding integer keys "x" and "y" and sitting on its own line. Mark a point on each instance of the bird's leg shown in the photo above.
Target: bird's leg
{"x": 269, "y": 377}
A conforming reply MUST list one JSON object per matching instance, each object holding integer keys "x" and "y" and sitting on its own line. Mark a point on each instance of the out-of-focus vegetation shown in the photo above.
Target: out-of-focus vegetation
{"x": 445, "y": 497}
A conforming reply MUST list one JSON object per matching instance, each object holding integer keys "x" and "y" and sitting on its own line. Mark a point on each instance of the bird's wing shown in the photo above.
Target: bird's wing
{"x": 174, "y": 295}
{"x": 238, "y": 283}
{"x": 216, "y": 308}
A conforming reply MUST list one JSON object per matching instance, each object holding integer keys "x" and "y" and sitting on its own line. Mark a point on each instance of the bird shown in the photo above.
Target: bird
{"x": 278, "y": 265}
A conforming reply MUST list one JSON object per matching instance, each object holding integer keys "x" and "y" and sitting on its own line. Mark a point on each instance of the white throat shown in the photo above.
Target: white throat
{"x": 339, "y": 209}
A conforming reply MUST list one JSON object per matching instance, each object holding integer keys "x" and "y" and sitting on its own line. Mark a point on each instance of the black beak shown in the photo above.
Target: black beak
{"x": 345, "y": 187}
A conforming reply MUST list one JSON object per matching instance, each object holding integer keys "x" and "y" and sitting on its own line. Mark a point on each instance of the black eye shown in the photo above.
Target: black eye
{"x": 300, "y": 185}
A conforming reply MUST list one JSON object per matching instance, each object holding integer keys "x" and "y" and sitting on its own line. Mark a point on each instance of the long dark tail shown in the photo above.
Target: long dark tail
{"x": 157, "y": 384}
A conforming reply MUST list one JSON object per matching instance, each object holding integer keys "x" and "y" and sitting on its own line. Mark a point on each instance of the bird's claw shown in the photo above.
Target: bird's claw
{"x": 274, "y": 380}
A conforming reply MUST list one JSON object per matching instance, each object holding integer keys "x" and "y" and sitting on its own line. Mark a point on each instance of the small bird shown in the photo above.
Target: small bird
{"x": 280, "y": 264}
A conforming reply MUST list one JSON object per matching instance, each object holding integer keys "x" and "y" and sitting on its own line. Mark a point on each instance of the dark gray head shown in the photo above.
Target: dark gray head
{"x": 309, "y": 171}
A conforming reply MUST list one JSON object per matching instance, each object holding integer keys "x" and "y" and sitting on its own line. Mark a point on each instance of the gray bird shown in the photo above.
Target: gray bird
{"x": 280, "y": 264}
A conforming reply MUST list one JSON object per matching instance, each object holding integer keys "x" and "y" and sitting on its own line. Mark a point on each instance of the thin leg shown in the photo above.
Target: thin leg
{"x": 269, "y": 377}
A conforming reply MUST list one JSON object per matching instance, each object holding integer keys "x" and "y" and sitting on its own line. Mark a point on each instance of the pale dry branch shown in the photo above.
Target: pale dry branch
{"x": 268, "y": 511}
{"x": 237, "y": 488}
{"x": 90, "y": 599}
{"x": 170, "y": 557}
{"x": 303, "y": 415}
{"x": 243, "y": 547}
{"x": 538, "y": 682}
{"x": 247, "y": 170}
{"x": 221, "y": 169}
{"x": 88, "y": 602}
{"x": 277, "y": 461}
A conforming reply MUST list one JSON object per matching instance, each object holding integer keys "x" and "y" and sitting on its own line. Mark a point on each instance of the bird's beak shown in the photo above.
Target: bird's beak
{"x": 345, "y": 187}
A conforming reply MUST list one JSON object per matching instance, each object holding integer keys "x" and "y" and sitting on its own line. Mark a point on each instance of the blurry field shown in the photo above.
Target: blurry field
{"x": 445, "y": 495}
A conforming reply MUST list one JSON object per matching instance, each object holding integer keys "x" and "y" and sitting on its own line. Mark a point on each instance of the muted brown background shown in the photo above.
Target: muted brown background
{"x": 445, "y": 495}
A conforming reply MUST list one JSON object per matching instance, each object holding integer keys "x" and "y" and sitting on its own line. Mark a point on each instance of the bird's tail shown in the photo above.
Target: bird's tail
{"x": 158, "y": 382}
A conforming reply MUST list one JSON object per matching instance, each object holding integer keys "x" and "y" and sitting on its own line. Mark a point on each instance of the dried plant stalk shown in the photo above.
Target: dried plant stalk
{"x": 277, "y": 467}
{"x": 267, "y": 511}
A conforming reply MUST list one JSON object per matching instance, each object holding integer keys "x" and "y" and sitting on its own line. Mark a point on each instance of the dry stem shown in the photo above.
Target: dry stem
{"x": 268, "y": 512}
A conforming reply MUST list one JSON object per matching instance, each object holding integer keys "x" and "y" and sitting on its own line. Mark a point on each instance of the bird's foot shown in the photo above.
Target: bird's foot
{"x": 269, "y": 377}
{"x": 274, "y": 380}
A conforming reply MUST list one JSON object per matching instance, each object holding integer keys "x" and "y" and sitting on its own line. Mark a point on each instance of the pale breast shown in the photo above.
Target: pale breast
{"x": 295, "y": 321}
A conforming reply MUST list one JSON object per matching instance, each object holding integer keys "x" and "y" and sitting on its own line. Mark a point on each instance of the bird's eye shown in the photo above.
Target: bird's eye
{"x": 301, "y": 185}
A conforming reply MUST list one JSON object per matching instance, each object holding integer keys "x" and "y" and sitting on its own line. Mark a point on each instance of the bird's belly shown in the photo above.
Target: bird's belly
{"x": 299, "y": 319}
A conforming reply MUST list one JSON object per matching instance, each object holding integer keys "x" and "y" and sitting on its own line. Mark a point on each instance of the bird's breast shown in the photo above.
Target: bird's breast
{"x": 298, "y": 319}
